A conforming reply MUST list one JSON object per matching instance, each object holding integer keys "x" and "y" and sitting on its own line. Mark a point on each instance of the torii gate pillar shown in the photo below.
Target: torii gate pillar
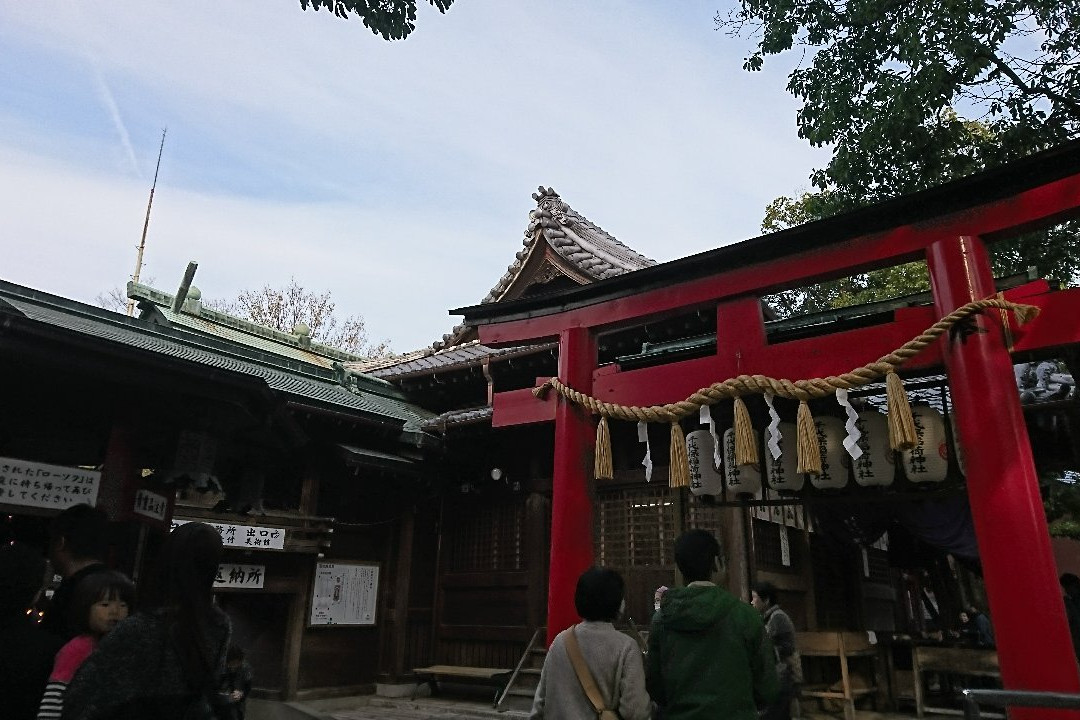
{"x": 1021, "y": 579}
{"x": 571, "y": 506}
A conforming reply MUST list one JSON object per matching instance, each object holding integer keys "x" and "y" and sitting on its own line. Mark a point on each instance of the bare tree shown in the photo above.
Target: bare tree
{"x": 283, "y": 308}
{"x": 112, "y": 299}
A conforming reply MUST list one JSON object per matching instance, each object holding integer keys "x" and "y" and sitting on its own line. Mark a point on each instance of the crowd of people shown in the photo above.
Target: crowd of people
{"x": 710, "y": 655}
{"x": 98, "y": 652}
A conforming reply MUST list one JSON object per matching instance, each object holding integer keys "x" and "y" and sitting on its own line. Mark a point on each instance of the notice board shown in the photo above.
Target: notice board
{"x": 344, "y": 594}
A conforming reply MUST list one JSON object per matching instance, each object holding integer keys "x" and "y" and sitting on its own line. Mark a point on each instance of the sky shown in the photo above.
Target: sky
{"x": 398, "y": 176}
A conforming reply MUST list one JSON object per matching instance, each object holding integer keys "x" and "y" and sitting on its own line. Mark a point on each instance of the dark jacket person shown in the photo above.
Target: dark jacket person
{"x": 78, "y": 544}
{"x": 709, "y": 656}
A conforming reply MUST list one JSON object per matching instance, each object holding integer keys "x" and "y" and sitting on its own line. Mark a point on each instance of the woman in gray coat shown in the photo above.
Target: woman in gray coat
{"x": 613, "y": 659}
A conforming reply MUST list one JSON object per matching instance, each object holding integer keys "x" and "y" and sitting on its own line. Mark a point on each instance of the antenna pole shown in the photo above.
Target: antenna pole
{"x": 146, "y": 224}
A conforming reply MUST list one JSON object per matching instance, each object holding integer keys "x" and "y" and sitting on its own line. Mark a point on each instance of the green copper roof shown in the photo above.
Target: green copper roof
{"x": 298, "y": 380}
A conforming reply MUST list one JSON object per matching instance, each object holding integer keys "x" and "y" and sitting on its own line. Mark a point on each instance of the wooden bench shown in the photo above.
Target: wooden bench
{"x": 495, "y": 677}
{"x": 840, "y": 645}
{"x": 978, "y": 662}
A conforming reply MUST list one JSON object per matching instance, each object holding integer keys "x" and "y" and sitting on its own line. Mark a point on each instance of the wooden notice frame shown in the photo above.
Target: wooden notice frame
{"x": 344, "y": 594}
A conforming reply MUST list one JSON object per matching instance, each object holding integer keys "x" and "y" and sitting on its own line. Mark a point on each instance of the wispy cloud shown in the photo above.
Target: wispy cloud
{"x": 109, "y": 102}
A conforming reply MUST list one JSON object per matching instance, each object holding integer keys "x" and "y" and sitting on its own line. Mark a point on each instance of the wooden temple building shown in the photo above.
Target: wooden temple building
{"x": 460, "y": 501}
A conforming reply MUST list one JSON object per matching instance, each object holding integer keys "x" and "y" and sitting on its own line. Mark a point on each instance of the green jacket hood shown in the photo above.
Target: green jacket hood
{"x": 692, "y": 609}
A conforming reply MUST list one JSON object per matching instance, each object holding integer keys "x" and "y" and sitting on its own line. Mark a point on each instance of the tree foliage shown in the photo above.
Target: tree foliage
{"x": 889, "y": 79}
{"x": 913, "y": 94}
{"x": 283, "y": 308}
{"x": 390, "y": 19}
{"x": 785, "y": 212}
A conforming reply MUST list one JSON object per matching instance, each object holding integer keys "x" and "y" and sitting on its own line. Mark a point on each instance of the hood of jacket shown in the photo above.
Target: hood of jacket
{"x": 691, "y": 609}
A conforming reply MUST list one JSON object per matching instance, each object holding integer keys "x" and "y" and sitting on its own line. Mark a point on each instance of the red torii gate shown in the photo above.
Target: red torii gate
{"x": 946, "y": 226}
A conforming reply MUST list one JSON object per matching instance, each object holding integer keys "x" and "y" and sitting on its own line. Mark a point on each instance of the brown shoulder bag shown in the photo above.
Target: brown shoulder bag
{"x": 586, "y": 679}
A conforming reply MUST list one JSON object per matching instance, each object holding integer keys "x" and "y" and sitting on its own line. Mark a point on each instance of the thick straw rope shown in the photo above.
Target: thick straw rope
{"x": 801, "y": 390}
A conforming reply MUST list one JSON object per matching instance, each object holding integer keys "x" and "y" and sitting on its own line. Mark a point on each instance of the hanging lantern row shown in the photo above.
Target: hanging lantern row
{"x": 873, "y": 464}
{"x": 823, "y": 448}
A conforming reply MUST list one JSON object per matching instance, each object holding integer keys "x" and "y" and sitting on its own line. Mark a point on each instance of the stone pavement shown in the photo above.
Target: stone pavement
{"x": 371, "y": 707}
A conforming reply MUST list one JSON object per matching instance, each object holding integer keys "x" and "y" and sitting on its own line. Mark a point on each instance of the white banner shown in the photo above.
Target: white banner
{"x": 240, "y": 577}
{"x": 55, "y": 487}
{"x": 244, "y": 536}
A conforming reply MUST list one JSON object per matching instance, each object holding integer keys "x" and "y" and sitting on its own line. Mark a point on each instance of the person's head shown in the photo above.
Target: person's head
{"x": 599, "y": 594}
{"x": 762, "y": 596}
{"x": 187, "y": 566}
{"x": 78, "y": 536}
{"x": 698, "y": 555}
{"x": 964, "y": 617}
{"x": 22, "y": 571}
{"x": 972, "y": 611}
{"x": 183, "y": 595}
{"x": 99, "y": 602}
{"x": 1070, "y": 583}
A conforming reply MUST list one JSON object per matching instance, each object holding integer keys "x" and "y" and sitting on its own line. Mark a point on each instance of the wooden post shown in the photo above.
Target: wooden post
{"x": 1032, "y": 634}
{"x": 571, "y": 506}
{"x": 403, "y": 575}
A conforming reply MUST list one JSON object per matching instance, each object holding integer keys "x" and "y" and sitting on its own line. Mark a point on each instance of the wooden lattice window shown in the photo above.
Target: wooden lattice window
{"x": 485, "y": 537}
{"x": 635, "y": 527}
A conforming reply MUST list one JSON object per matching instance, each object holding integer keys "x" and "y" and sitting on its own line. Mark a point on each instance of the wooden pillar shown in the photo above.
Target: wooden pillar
{"x": 571, "y": 506}
{"x": 537, "y": 510}
{"x": 1021, "y": 579}
{"x": 402, "y": 578}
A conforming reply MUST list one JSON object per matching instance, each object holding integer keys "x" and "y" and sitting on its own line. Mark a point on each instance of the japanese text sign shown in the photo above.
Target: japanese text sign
{"x": 240, "y": 577}
{"x": 54, "y": 487}
{"x": 245, "y": 536}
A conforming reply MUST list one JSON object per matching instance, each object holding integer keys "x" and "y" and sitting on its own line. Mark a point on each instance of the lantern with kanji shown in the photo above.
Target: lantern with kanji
{"x": 877, "y": 464}
{"x": 834, "y": 458}
{"x": 704, "y": 477}
{"x": 782, "y": 472}
{"x": 744, "y": 480}
{"x": 928, "y": 461}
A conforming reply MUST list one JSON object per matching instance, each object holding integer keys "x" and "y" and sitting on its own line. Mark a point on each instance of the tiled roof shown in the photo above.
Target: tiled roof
{"x": 593, "y": 251}
{"x": 197, "y": 317}
{"x": 580, "y": 241}
{"x": 469, "y": 416}
{"x": 302, "y": 382}
{"x": 464, "y": 355}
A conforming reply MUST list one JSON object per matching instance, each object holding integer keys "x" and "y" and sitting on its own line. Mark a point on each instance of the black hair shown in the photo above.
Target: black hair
{"x": 93, "y": 588}
{"x": 85, "y": 531}
{"x": 235, "y": 653}
{"x": 1070, "y": 583}
{"x": 766, "y": 591}
{"x": 695, "y": 551}
{"x": 22, "y": 571}
{"x": 183, "y": 595}
{"x": 599, "y": 594}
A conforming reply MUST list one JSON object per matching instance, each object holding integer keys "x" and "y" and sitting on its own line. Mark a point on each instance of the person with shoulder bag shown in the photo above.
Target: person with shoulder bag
{"x": 592, "y": 670}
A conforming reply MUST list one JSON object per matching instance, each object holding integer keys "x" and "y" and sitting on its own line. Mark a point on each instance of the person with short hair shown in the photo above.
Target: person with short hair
{"x": 613, "y": 659}
{"x": 235, "y": 686}
{"x": 984, "y": 632}
{"x": 709, "y": 655}
{"x": 78, "y": 545}
{"x": 781, "y": 631}
{"x": 26, "y": 650}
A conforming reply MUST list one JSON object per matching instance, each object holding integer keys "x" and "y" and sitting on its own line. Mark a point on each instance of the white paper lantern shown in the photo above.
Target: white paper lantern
{"x": 877, "y": 465}
{"x": 834, "y": 458}
{"x": 704, "y": 478}
{"x": 782, "y": 472}
{"x": 928, "y": 461}
{"x": 745, "y": 480}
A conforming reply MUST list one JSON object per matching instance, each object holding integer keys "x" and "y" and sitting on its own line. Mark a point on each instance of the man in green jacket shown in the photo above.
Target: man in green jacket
{"x": 709, "y": 656}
